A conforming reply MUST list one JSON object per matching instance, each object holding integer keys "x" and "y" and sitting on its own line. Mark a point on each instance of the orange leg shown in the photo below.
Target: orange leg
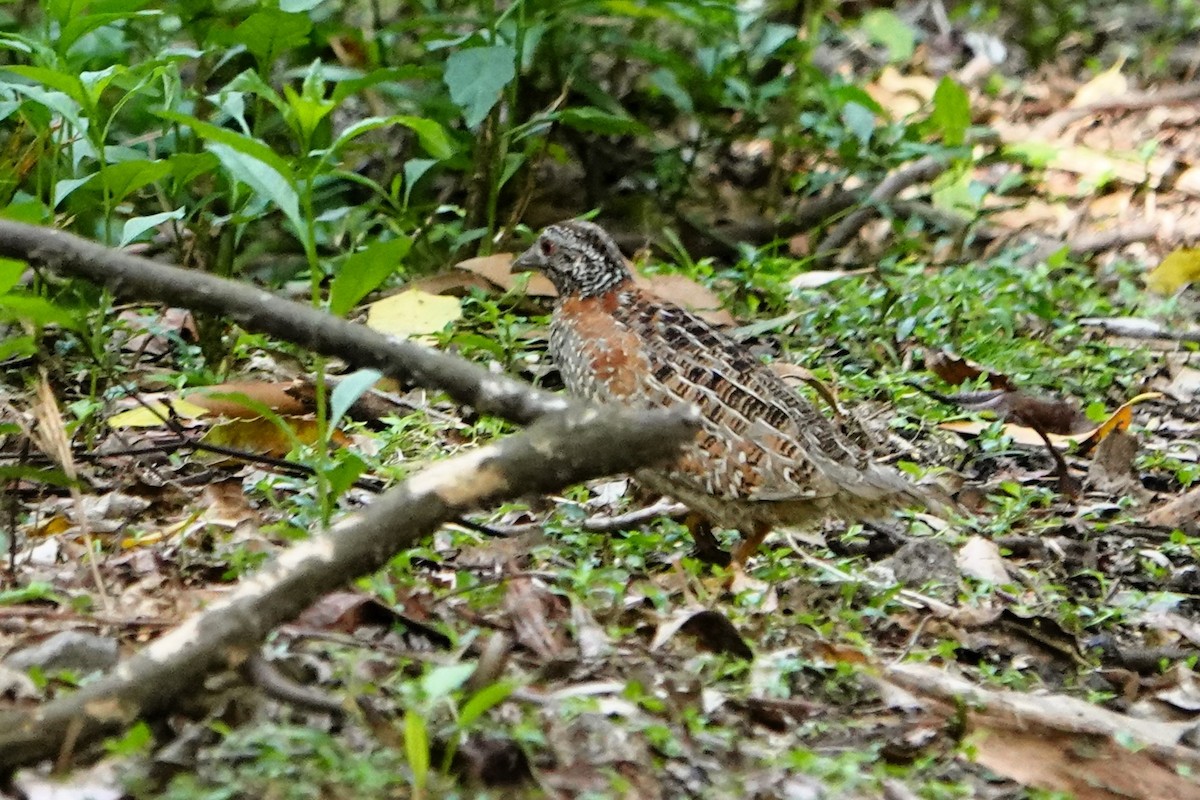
{"x": 749, "y": 545}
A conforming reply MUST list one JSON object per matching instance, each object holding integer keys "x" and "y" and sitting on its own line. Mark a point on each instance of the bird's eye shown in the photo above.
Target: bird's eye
{"x": 547, "y": 247}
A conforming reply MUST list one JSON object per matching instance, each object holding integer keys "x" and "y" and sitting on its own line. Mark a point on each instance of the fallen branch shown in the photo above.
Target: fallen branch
{"x": 919, "y": 171}
{"x": 559, "y": 450}
{"x": 258, "y": 310}
{"x": 1062, "y": 743}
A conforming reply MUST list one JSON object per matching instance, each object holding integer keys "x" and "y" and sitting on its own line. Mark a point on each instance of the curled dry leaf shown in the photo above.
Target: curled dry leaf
{"x": 710, "y": 628}
{"x": 954, "y": 370}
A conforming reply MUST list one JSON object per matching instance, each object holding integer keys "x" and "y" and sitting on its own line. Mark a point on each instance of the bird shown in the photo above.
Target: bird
{"x": 763, "y": 457}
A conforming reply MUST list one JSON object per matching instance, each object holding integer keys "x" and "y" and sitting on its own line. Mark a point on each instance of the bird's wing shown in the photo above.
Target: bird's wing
{"x": 764, "y": 441}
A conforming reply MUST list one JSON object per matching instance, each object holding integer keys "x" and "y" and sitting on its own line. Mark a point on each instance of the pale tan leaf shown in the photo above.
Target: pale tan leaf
{"x": 413, "y": 313}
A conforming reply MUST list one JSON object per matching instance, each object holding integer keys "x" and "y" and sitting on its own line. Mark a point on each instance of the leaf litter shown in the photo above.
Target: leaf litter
{"x": 634, "y": 671}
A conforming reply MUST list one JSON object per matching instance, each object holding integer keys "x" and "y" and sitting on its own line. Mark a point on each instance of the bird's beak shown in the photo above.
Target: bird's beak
{"x": 528, "y": 261}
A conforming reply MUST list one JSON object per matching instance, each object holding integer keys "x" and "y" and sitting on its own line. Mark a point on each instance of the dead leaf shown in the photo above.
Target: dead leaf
{"x": 496, "y": 269}
{"x": 1086, "y": 439}
{"x": 413, "y": 313}
{"x": 816, "y": 278}
{"x": 1175, "y": 271}
{"x": 901, "y": 95}
{"x": 980, "y": 558}
{"x": 954, "y": 370}
{"x": 712, "y": 629}
{"x": 1108, "y": 84}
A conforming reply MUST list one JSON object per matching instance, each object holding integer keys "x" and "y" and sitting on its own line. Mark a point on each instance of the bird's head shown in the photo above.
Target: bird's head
{"x": 578, "y": 257}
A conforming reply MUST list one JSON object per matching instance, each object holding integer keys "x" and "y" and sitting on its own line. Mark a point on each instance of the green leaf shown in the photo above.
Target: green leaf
{"x": 859, "y": 120}
{"x": 342, "y": 475}
{"x": 416, "y": 747}
{"x": 441, "y": 681}
{"x": 243, "y": 144}
{"x": 430, "y": 134}
{"x": 63, "y": 188}
{"x": 951, "y": 111}
{"x": 263, "y": 179}
{"x": 414, "y": 168}
{"x": 136, "y": 226}
{"x": 127, "y": 177}
{"x": 37, "y": 310}
{"x": 79, "y": 27}
{"x": 33, "y": 592}
{"x": 363, "y": 272}
{"x": 347, "y": 392}
{"x": 11, "y": 271}
{"x": 307, "y": 111}
{"x": 14, "y": 346}
{"x": 481, "y": 701}
{"x": 885, "y": 28}
{"x": 68, "y": 84}
{"x": 476, "y": 77}
{"x": 593, "y": 120}
{"x": 269, "y": 33}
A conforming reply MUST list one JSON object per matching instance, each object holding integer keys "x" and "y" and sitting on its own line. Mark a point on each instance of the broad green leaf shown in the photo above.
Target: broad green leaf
{"x": 593, "y": 120}
{"x": 78, "y": 27}
{"x": 264, "y": 179}
{"x": 347, "y": 392}
{"x": 886, "y": 28}
{"x": 268, "y": 34}
{"x": 442, "y": 680}
{"x": 342, "y": 475}
{"x": 414, "y": 168}
{"x": 251, "y": 82}
{"x": 481, "y": 701}
{"x": 307, "y": 111}
{"x": 67, "y": 185}
{"x": 1176, "y": 271}
{"x": 14, "y": 346}
{"x": 668, "y": 83}
{"x": 243, "y": 144}
{"x": 35, "y": 309}
{"x": 187, "y": 167}
{"x": 430, "y": 134}
{"x": 363, "y": 272}
{"x": 68, "y": 84}
{"x": 476, "y": 77}
{"x": 127, "y": 177}
{"x": 11, "y": 271}
{"x": 136, "y": 226}
{"x": 859, "y": 120}
{"x": 951, "y": 111}
{"x": 57, "y": 102}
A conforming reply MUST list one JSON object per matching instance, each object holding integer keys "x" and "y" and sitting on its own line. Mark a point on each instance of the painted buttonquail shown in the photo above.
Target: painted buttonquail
{"x": 764, "y": 456}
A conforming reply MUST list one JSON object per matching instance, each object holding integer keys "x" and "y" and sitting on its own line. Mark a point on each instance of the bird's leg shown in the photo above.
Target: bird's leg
{"x": 749, "y": 545}
{"x": 707, "y": 548}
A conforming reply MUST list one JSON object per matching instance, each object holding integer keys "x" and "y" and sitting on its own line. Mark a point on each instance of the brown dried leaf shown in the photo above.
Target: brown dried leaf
{"x": 955, "y": 370}
{"x": 497, "y": 270}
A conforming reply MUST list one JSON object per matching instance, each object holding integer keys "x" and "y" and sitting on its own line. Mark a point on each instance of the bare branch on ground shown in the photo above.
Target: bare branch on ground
{"x": 258, "y": 310}
{"x": 559, "y": 450}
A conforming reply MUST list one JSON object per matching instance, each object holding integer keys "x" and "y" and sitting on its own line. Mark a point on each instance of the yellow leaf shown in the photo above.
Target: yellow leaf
{"x": 144, "y": 417}
{"x": 413, "y": 313}
{"x": 1109, "y": 83}
{"x": 1177, "y": 269}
